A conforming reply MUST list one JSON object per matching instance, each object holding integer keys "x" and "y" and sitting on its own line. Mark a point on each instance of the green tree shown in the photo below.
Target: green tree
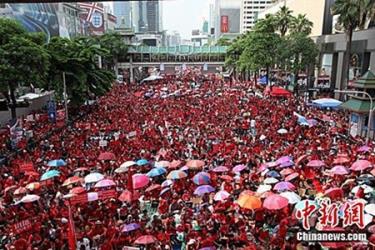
{"x": 284, "y": 19}
{"x": 223, "y": 41}
{"x": 22, "y": 61}
{"x": 301, "y": 24}
{"x": 116, "y": 47}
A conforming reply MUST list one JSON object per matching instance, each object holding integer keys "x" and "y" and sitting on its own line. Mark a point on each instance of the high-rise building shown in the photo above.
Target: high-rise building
{"x": 147, "y": 16}
{"x": 227, "y": 18}
{"x": 249, "y": 12}
{"x": 173, "y": 39}
{"x": 123, "y": 13}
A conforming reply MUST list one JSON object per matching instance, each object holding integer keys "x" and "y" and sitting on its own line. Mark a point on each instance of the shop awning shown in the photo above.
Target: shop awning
{"x": 357, "y": 105}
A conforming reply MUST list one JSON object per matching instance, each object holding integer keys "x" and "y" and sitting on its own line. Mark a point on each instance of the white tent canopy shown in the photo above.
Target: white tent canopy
{"x": 152, "y": 78}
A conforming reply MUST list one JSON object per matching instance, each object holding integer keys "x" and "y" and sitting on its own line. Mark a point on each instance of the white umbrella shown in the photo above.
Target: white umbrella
{"x": 221, "y": 195}
{"x": 366, "y": 189}
{"x": 121, "y": 170}
{"x": 127, "y": 164}
{"x": 370, "y": 209}
{"x": 93, "y": 177}
{"x": 292, "y": 197}
{"x": 282, "y": 131}
{"x": 367, "y": 219}
{"x": 263, "y": 188}
{"x": 30, "y": 198}
{"x": 270, "y": 180}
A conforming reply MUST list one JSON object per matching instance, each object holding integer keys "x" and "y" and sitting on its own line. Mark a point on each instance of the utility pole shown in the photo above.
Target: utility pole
{"x": 65, "y": 99}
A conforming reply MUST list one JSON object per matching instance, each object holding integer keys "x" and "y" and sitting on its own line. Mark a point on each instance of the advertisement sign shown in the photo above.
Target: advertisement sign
{"x": 224, "y": 24}
{"x": 22, "y": 226}
{"x": 92, "y": 18}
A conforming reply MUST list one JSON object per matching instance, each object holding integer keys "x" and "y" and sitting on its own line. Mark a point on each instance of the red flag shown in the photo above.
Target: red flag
{"x": 71, "y": 231}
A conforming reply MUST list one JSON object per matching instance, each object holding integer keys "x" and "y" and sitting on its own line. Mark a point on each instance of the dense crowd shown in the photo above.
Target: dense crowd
{"x": 192, "y": 162}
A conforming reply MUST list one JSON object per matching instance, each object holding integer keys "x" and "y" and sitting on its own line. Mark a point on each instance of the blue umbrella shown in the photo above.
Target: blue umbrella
{"x": 130, "y": 227}
{"x": 327, "y": 103}
{"x": 142, "y": 162}
{"x": 301, "y": 119}
{"x": 50, "y": 174}
{"x": 201, "y": 190}
{"x": 56, "y": 163}
{"x": 156, "y": 172}
{"x": 273, "y": 174}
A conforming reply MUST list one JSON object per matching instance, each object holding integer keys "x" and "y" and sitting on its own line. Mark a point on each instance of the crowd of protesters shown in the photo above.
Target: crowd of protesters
{"x": 181, "y": 154}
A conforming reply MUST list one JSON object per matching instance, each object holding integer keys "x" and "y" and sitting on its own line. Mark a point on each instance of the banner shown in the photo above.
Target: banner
{"x": 205, "y": 67}
{"x": 224, "y": 24}
{"x": 92, "y": 18}
{"x": 162, "y": 67}
{"x": 22, "y": 226}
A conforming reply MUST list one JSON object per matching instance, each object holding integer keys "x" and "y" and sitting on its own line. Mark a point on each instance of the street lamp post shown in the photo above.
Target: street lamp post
{"x": 370, "y": 109}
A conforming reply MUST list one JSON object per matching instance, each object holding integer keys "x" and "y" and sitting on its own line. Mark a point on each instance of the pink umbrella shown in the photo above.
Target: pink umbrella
{"x": 239, "y": 168}
{"x": 284, "y": 159}
{"x": 341, "y": 160}
{"x": 221, "y": 195}
{"x": 140, "y": 181}
{"x": 105, "y": 183}
{"x": 360, "y": 165}
{"x": 195, "y": 164}
{"x": 339, "y": 170}
{"x": 286, "y": 171}
{"x": 291, "y": 176}
{"x": 364, "y": 149}
{"x": 174, "y": 164}
{"x": 284, "y": 185}
{"x": 262, "y": 167}
{"x": 220, "y": 169}
{"x": 316, "y": 164}
{"x": 275, "y": 202}
{"x": 272, "y": 164}
{"x": 106, "y": 156}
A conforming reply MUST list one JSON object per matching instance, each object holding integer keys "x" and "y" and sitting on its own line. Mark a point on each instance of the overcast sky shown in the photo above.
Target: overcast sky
{"x": 185, "y": 15}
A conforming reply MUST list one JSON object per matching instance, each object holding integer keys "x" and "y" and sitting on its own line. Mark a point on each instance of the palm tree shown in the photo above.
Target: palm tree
{"x": 367, "y": 12}
{"x": 284, "y": 19}
{"x": 301, "y": 24}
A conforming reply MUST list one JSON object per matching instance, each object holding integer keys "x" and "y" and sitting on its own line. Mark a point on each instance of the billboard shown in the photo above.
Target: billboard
{"x": 92, "y": 18}
{"x": 224, "y": 24}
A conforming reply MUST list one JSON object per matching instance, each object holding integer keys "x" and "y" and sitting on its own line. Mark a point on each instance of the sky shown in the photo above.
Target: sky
{"x": 185, "y": 15}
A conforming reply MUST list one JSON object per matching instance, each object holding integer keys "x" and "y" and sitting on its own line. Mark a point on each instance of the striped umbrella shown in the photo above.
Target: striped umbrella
{"x": 156, "y": 172}
{"x": 176, "y": 174}
{"x": 201, "y": 178}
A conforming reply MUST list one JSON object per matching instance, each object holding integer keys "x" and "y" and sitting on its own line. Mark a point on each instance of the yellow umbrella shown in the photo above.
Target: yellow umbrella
{"x": 249, "y": 202}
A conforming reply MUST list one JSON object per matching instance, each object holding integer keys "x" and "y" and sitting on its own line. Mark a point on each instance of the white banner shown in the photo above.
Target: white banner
{"x": 162, "y": 67}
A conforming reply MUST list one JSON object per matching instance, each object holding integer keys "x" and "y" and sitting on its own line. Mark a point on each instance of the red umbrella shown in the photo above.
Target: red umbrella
{"x": 32, "y": 173}
{"x": 275, "y": 202}
{"x": 301, "y": 158}
{"x": 334, "y": 193}
{"x": 126, "y": 196}
{"x": 226, "y": 177}
{"x": 77, "y": 190}
{"x": 153, "y": 187}
{"x": 72, "y": 180}
{"x": 195, "y": 164}
{"x": 341, "y": 160}
{"x": 81, "y": 169}
{"x": 140, "y": 181}
{"x": 286, "y": 171}
{"x": 360, "y": 165}
{"x": 291, "y": 176}
{"x": 174, "y": 164}
{"x": 145, "y": 240}
{"x": 106, "y": 156}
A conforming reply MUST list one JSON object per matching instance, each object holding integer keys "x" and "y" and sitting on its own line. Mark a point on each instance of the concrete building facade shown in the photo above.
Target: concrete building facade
{"x": 249, "y": 12}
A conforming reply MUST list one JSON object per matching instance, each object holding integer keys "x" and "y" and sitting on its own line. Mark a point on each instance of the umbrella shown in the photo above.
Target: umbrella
{"x": 127, "y": 164}
{"x": 156, "y": 172}
{"x": 286, "y": 171}
{"x": 121, "y": 170}
{"x": 366, "y": 179}
{"x": 221, "y": 195}
{"x": 81, "y": 169}
{"x": 56, "y": 163}
{"x": 292, "y": 176}
{"x": 20, "y": 190}
{"x": 174, "y": 164}
{"x": 316, "y": 164}
{"x": 339, "y": 170}
{"x": 249, "y": 202}
{"x": 30, "y": 198}
{"x": 220, "y": 169}
{"x": 33, "y": 186}
{"x": 270, "y": 180}
{"x": 341, "y": 160}
{"x": 292, "y": 197}
{"x": 263, "y": 188}
{"x": 77, "y": 190}
{"x": 226, "y": 177}
{"x": 140, "y": 181}
{"x": 272, "y": 164}
{"x": 327, "y": 103}
{"x": 184, "y": 168}
{"x": 366, "y": 189}
{"x": 370, "y": 209}
{"x": 275, "y": 202}
{"x": 32, "y": 173}
{"x": 286, "y": 164}
{"x": 284, "y": 159}
{"x": 153, "y": 187}
{"x": 176, "y": 174}
{"x": 142, "y": 162}
{"x": 72, "y": 180}
{"x": 105, "y": 183}
{"x": 201, "y": 178}
{"x": 130, "y": 227}
{"x": 167, "y": 183}
{"x": 239, "y": 168}
{"x": 145, "y": 240}
{"x": 93, "y": 177}
{"x": 195, "y": 164}
{"x": 360, "y": 165}
{"x": 164, "y": 164}
{"x": 364, "y": 149}
{"x": 49, "y": 175}
{"x": 334, "y": 193}
{"x": 284, "y": 185}
{"x": 201, "y": 190}
{"x": 107, "y": 156}
{"x": 164, "y": 191}
{"x": 282, "y": 131}
{"x": 301, "y": 158}
{"x": 273, "y": 173}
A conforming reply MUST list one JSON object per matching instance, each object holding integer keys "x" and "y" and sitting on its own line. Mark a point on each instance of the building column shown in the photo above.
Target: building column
{"x": 372, "y": 61}
{"x": 131, "y": 70}
{"x": 340, "y": 64}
